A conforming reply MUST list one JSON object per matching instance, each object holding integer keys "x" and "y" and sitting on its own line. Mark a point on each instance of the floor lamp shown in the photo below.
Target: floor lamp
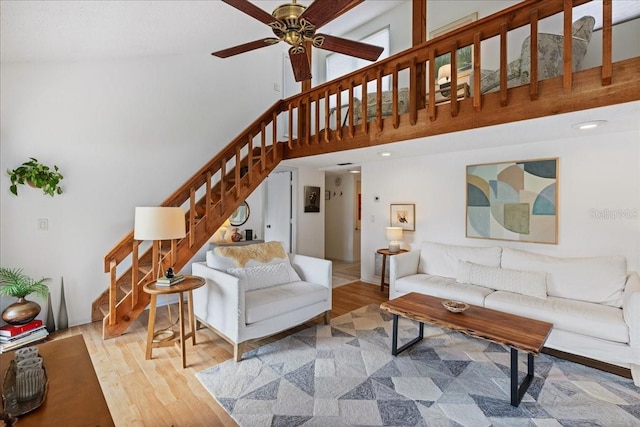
{"x": 158, "y": 224}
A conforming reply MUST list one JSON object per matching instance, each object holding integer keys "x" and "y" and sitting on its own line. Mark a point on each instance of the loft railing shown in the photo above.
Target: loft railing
{"x": 314, "y": 119}
{"x": 316, "y": 110}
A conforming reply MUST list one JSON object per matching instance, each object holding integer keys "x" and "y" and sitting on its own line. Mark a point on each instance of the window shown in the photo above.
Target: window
{"x": 622, "y": 11}
{"x": 338, "y": 64}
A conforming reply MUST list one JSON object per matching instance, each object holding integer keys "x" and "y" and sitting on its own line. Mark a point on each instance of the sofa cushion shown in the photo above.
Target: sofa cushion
{"x": 226, "y": 257}
{"x": 597, "y": 279}
{"x": 443, "y": 287}
{"x": 532, "y": 283}
{"x": 442, "y": 260}
{"x": 264, "y": 276}
{"x": 594, "y": 320}
{"x": 263, "y": 304}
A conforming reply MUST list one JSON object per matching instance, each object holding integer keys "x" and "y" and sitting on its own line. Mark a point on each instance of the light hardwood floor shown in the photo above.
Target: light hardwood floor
{"x": 159, "y": 392}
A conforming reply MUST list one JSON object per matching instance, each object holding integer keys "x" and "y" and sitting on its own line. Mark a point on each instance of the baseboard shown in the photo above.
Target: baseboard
{"x": 592, "y": 363}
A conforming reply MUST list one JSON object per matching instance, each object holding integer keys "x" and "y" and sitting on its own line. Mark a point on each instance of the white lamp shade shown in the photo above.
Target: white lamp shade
{"x": 444, "y": 73}
{"x": 394, "y": 233}
{"x": 159, "y": 223}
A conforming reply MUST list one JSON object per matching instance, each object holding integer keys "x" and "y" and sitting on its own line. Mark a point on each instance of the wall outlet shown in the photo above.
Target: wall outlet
{"x": 276, "y": 87}
{"x": 43, "y": 224}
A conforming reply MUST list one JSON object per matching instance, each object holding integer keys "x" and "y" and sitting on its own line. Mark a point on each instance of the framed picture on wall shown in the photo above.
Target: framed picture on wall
{"x": 403, "y": 215}
{"x": 513, "y": 201}
{"x": 311, "y": 198}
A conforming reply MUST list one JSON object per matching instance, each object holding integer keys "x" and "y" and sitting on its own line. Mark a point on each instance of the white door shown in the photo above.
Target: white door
{"x": 278, "y": 218}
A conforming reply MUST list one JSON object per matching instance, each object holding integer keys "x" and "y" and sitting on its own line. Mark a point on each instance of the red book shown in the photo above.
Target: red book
{"x": 13, "y": 330}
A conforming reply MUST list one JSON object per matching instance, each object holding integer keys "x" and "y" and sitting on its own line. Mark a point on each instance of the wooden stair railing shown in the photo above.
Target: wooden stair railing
{"x": 208, "y": 198}
{"x": 215, "y": 191}
{"x": 312, "y": 109}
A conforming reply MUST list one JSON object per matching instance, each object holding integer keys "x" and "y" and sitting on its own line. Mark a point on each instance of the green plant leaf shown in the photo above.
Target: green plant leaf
{"x": 41, "y": 176}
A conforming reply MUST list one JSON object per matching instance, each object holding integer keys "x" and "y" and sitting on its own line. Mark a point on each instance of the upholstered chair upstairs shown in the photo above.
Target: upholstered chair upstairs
{"x": 550, "y": 64}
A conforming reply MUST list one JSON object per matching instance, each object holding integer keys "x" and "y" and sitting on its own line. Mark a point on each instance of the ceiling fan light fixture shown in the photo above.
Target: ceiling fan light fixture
{"x": 288, "y": 13}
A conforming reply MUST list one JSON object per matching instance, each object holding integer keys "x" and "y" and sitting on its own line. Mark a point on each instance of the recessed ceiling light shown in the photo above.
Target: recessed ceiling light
{"x": 384, "y": 153}
{"x": 589, "y": 125}
{"x": 354, "y": 171}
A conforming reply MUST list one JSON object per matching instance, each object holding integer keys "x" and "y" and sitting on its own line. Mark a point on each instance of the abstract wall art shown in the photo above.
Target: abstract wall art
{"x": 513, "y": 201}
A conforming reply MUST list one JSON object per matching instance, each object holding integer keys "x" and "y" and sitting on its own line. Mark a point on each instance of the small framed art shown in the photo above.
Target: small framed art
{"x": 403, "y": 215}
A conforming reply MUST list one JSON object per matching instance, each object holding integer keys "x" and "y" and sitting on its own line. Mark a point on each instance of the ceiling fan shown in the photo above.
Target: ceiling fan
{"x": 296, "y": 24}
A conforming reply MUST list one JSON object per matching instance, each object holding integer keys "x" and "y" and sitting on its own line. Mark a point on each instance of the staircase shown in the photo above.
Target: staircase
{"x": 209, "y": 197}
{"x": 217, "y": 189}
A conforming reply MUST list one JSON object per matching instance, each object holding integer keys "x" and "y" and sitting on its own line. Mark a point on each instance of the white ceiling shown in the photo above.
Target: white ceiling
{"x": 78, "y": 30}
{"x": 93, "y": 30}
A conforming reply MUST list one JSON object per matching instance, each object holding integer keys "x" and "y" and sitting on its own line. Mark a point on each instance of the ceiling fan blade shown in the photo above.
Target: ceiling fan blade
{"x": 252, "y": 10}
{"x": 322, "y": 11}
{"x": 300, "y": 63}
{"x": 241, "y": 48}
{"x": 347, "y": 47}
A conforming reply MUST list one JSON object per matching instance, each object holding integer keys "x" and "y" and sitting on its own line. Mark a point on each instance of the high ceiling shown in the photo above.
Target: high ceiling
{"x": 93, "y": 30}
{"x": 78, "y": 30}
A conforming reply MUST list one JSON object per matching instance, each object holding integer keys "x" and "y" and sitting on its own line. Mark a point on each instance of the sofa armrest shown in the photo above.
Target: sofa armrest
{"x": 631, "y": 310}
{"x": 404, "y": 264}
{"x": 311, "y": 269}
{"x": 220, "y": 302}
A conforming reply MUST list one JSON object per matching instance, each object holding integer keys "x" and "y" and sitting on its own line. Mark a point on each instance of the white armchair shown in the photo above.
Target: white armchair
{"x": 260, "y": 297}
{"x": 550, "y": 48}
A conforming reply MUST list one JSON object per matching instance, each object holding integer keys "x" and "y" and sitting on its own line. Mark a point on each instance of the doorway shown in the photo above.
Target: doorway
{"x": 279, "y": 209}
{"x": 342, "y": 222}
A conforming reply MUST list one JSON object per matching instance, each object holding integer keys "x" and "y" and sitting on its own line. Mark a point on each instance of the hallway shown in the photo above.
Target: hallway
{"x": 345, "y": 272}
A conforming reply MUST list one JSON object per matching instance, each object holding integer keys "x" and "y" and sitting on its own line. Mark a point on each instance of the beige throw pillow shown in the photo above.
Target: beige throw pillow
{"x": 531, "y": 283}
{"x": 265, "y": 276}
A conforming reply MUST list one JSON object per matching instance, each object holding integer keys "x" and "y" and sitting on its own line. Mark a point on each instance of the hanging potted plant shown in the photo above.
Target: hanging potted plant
{"x": 17, "y": 284}
{"x": 37, "y": 175}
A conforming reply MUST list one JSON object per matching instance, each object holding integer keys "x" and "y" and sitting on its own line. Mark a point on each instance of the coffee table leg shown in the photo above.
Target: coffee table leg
{"x": 394, "y": 337}
{"x": 518, "y": 391}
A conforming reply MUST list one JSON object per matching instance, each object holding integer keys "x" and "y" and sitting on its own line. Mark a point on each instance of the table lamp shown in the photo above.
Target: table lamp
{"x": 157, "y": 224}
{"x": 394, "y": 235}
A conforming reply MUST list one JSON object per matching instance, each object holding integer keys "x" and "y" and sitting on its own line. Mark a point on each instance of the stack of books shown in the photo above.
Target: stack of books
{"x": 13, "y": 337}
{"x": 168, "y": 281}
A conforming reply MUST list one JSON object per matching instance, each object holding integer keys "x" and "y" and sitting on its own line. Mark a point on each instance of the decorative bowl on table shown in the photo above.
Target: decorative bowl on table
{"x": 455, "y": 306}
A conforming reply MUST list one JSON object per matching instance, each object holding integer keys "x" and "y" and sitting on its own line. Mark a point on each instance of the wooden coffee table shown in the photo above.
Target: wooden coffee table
{"x": 519, "y": 333}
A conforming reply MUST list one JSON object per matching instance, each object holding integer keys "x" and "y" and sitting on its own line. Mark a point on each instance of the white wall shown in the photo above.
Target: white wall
{"x": 124, "y": 133}
{"x": 309, "y": 232}
{"x": 595, "y": 176}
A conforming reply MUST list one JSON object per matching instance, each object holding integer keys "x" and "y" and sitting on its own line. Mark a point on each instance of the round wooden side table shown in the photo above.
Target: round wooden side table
{"x": 187, "y": 285}
{"x": 385, "y": 253}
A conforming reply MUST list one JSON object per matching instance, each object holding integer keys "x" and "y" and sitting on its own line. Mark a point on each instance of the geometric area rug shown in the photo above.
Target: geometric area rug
{"x": 343, "y": 374}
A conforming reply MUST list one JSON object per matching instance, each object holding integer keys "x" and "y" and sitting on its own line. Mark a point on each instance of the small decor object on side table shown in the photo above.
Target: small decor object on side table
{"x": 236, "y": 236}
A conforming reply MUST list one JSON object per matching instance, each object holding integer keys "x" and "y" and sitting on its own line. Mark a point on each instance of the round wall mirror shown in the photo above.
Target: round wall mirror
{"x": 240, "y": 215}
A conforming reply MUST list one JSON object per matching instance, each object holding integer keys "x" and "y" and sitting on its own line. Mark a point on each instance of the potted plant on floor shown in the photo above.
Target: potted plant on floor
{"x": 37, "y": 175}
{"x": 13, "y": 282}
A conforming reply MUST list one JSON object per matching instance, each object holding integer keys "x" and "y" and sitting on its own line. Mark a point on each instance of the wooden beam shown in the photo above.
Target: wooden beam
{"x": 567, "y": 54}
{"x": 606, "y": 42}
{"x": 419, "y": 36}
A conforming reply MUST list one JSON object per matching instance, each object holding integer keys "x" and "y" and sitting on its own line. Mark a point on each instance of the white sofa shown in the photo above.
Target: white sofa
{"x": 593, "y": 303}
{"x": 247, "y": 297}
